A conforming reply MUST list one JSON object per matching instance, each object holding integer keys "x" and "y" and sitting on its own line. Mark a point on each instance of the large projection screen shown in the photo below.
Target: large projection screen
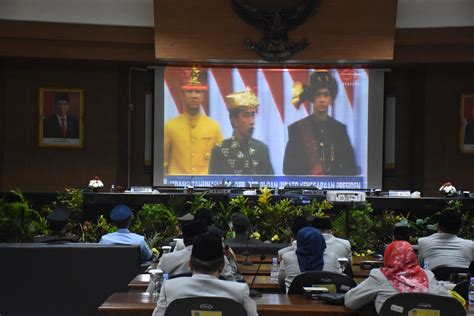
{"x": 303, "y": 151}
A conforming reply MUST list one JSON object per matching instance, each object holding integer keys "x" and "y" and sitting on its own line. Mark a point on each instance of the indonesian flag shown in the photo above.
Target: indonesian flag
{"x": 273, "y": 88}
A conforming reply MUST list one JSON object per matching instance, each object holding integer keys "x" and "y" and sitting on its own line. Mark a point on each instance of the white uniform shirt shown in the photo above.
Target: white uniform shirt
{"x": 341, "y": 247}
{"x": 448, "y": 250}
{"x": 204, "y": 285}
{"x": 376, "y": 288}
{"x": 290, "y": 268}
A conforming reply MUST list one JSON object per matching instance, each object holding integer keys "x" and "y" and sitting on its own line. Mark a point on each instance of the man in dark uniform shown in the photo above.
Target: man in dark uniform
{"x": 61, "y": 124}
{"x": 241, "y": 154}
{"x": 318, "y": 144}
{"x": 57, "y": 221}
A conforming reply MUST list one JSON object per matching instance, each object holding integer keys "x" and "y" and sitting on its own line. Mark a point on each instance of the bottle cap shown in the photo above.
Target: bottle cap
{"x": 274, "y": 260}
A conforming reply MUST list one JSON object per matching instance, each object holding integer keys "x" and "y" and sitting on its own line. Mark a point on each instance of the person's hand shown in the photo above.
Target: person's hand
{"x": 229, "y": 253}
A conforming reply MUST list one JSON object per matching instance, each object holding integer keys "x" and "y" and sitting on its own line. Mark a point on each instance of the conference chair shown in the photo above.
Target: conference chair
{"x": 343, "y": 283}
{"x": 192, "y": 305}
{"x": 401, "y": 305}
{"x": 448, "y": 273}
{"x": 462, "y": 289}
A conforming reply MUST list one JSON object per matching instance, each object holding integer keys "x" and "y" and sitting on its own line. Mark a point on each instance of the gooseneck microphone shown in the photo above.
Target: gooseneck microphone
{"x": 247, "y": 262}
{"x": 253, "y": 292}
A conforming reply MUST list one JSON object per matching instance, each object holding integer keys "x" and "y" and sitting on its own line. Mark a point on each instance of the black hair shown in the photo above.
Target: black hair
{"x": 450, "y": 222}
{"x": 234, "y": 113}
{"x": 402, "y": 233}
{"x": 57, "y": 226}
{"x": 241, "y": 224}
{"x": 204, "y": 216}
{"x": 123, "y": 224}
{"x": 298, "y": 223}
{"x": 207, "y": 267}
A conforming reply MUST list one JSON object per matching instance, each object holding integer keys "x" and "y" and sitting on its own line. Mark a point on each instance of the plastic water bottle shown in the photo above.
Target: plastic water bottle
{"x": 471, "y": 292}
{"x": 426, "y": 264}
{"x": 274, "y": 270}
{"x": 157, "y": 279}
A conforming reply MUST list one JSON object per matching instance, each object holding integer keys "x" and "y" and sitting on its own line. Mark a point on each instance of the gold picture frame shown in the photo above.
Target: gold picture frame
{"x": 61, "y": 121}
{"x": 466, "y": 133}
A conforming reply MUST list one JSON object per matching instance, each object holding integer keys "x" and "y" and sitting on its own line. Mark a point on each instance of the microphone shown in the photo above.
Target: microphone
{"x": 247, "y": 262}
{"x": 254, "y": 292}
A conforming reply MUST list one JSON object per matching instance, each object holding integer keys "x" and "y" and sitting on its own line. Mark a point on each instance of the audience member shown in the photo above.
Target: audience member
{"x": 444, "y": 248}
{"x": 310, "y": 255}
{"x": 121, "y": 216}
{"x": 176, "y": 263}
{"x": 400, "y": 274}
{"x": 241, "y": 225}
{"x": 179, "y": 244}
{"x": 298, "y": 223}
{"x": 206, "y": 217}
{"x": 206, "y": 263}
{"x": 402, "y": 231}
{"x": 341, "y": 247}
{"x": 57, "y": 221}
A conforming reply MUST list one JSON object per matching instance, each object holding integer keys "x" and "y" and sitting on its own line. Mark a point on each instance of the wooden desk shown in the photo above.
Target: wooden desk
{"x": 255, "y": 258}
{"x": 262, "y": 283}
{"x": 269, "y": 304}
{"x": 251, "y": 270}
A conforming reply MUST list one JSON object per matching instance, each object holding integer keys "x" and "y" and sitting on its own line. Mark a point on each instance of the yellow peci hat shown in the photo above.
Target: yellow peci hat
{"x": 242, "y": 99}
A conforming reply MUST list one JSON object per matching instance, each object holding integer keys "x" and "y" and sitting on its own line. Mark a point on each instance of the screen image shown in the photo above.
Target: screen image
{"x": 248, "y": 127}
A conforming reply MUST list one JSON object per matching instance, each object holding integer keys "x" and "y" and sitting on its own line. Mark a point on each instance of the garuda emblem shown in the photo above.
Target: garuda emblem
{"x": 275, "y": 25}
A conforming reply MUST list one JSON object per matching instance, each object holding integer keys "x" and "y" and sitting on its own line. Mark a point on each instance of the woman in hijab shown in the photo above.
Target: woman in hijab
{"x": 401, "y": 274}
{"x": 310, "y": 255}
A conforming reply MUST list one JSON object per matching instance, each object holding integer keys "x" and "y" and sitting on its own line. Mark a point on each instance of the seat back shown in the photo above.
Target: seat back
{"x": 462, "y": 289}
{"x": 404, "y": 303}
{"x": 342, "y": 282}
{"x": 444, "y": 273}
{"x": 192, "y": 305}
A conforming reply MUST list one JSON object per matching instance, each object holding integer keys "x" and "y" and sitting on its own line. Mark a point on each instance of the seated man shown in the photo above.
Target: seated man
{"x": 241, "y": 225}
{"x": 298, "y": 223}
{"x": 179, "y": 245}
{"x": 206, "y": 263}
{"x": 121, "y": 216}
{"x": 341, "y": 247}
{"x": 57, "y": 222}
{"x": 444, "y": 248}
{"x": 176, "y": 263}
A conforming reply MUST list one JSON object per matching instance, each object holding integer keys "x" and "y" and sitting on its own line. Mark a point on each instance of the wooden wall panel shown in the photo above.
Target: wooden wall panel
{"x": 206, "y": 31}
{"x": 2, "y": 125}
{"x": 434, "y": 45}
{"x": 427, "y": 150}
{"x": 443, "y": 160}
{"x": 32, "y": 168}
{"x": 75, "y": 41}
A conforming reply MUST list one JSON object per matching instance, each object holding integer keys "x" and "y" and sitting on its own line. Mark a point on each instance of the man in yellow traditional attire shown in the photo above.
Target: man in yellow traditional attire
{"x": 190, "y": 137}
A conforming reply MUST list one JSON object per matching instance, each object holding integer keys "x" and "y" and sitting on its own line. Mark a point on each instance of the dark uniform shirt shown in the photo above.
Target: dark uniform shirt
{"x": 319, "y": 148}
{"x": 233, "y": 157}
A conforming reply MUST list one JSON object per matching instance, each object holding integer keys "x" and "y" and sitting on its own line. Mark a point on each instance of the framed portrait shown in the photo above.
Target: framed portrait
{"x": 61, "y": 122}
{"x": 466, "y": 134}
